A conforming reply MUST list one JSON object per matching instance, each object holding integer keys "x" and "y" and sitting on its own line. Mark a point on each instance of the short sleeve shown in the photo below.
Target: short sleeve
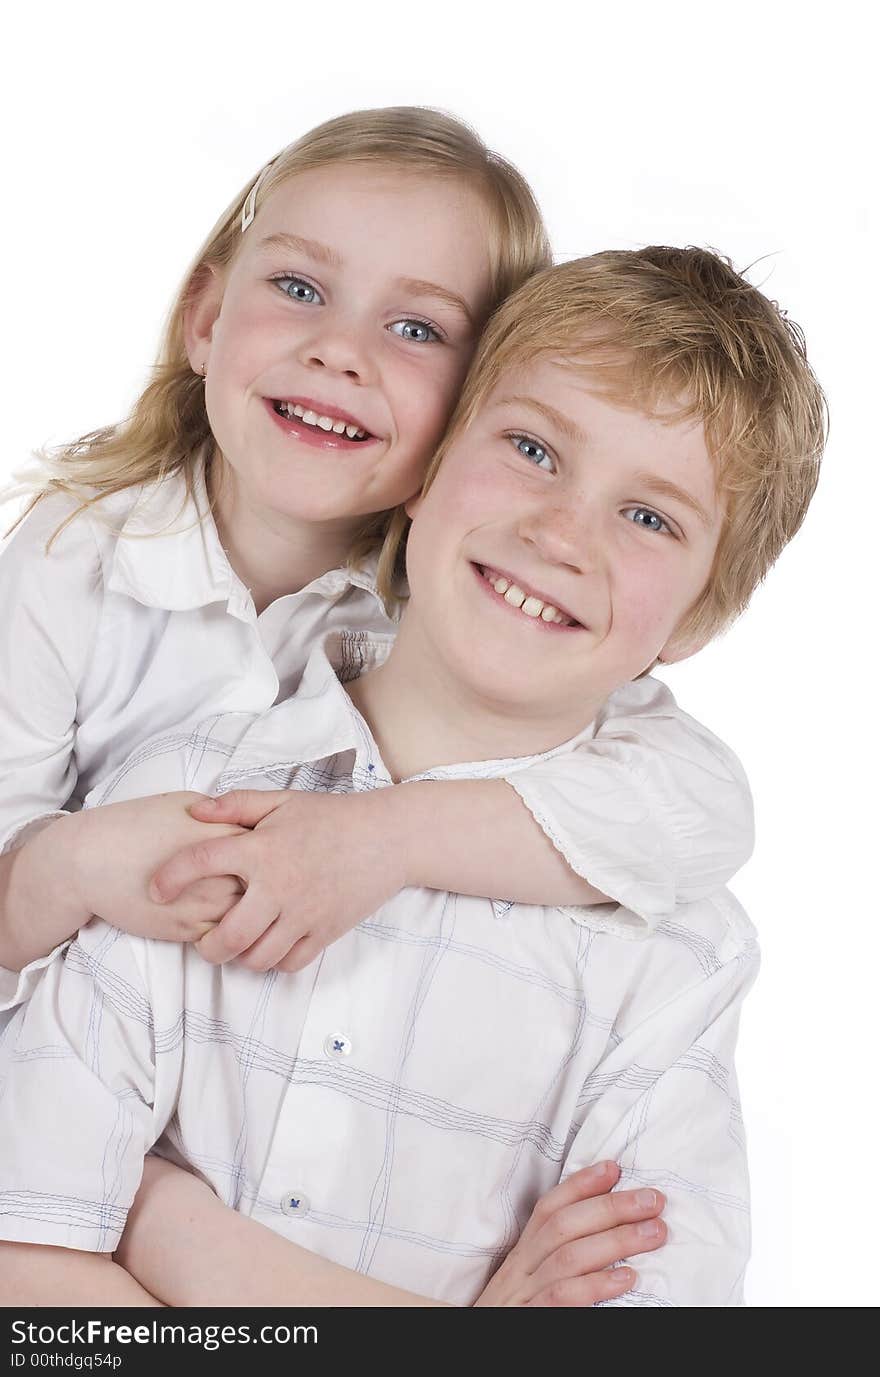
{"x": 653, "y": 810}
{"x": 51, "y": 605}
{"x": 78, "y": 1105}
{"x": 664, "y": 1105}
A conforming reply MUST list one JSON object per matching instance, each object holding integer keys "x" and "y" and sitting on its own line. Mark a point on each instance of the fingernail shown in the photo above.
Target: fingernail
{"x": 649, "y": 1228}
{"x": 646, "y": 1200}
{"x": 207, "y": 803}
{"x": 622, "y": 1276}
{"x": 599, "y": 1169}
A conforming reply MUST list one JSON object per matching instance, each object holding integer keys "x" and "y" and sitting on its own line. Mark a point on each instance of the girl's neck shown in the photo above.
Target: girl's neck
{"x": 273, "y": 554}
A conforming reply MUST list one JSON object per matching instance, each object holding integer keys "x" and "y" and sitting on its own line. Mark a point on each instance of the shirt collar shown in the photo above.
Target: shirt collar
{"x": 320, "y": 720}
{"x": 169, "y": 555}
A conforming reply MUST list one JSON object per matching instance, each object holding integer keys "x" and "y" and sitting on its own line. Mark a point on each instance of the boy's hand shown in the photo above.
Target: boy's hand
{"x": 576, "y": 1232}
{"x": 313, "y": 866}
{"x": 109, "y": 853}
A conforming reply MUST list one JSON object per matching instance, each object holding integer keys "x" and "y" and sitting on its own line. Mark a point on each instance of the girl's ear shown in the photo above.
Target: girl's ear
{"x": 412, "y": 506}
{"x": 201, "y": 311}
{"x": 677, "y": 648}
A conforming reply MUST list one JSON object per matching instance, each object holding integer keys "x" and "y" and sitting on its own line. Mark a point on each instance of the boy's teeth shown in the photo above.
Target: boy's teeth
{"x": 533, "y": 607}
{"x": 312, "y": 418}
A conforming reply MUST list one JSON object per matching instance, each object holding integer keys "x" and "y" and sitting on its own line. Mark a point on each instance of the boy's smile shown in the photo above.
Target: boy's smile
{"x": 560, "y": 545}
{"x": 341, "y": 331}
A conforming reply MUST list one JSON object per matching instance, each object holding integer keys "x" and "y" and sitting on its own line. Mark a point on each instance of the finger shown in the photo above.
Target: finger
{"x": 271, "y": 947}
{"x": 246, "y": 807}
{"x": 584, "y": 1184}
{"x": 302, "y": 954}
{"x": 243, "y": 925}
{"x": 595, "y": 1216}
{"x": 220, "y": 856}
{"x": 586, "y": 1291}
{"x": 586, "y": 1255}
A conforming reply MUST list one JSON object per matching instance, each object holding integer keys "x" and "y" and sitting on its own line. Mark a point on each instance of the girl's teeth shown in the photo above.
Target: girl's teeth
{"x": 311, "y": 418}
{"x": 532, "y": 607}
{"x": 515, "y": 596}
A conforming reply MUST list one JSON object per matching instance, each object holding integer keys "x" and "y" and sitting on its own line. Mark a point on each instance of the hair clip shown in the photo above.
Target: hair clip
{"x": 249, "y": 209}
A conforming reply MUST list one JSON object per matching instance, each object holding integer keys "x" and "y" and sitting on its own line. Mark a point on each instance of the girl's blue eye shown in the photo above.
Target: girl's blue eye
{"x": 298, "y": 289}
{"x": 643, "y": 516}
{"x": 534, "y": 452}
{"x": 417, "y": 331}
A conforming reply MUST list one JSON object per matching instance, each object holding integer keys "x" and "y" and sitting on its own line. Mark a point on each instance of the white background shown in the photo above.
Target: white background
{"x": 746, "y": 128}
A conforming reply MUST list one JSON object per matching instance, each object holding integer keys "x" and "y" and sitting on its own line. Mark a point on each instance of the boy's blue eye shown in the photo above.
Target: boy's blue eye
{"x": 652, "y": 521}
{"x": 534, "y": 452}
{"x": 418, "y": 331}
{"x": 298, "y": 289}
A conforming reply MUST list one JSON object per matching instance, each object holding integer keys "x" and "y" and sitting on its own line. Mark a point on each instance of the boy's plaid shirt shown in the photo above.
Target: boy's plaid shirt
{"x": 400, "y": 1105}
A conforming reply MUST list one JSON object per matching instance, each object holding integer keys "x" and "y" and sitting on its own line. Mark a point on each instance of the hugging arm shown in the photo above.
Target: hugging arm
{"x": 649, "y": 812}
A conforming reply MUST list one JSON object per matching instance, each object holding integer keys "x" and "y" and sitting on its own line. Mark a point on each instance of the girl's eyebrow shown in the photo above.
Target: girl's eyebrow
{"x": 417, "y": 286}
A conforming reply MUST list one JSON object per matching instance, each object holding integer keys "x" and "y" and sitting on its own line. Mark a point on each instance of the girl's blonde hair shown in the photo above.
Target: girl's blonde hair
{"x": 168, "y": 425}
{"x": 679, "y": 326}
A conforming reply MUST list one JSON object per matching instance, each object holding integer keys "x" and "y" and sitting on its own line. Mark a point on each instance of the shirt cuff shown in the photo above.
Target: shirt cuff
{"x": 620, "y": 847}
{"x": 23, "y": 831}
{"x": 18, "y": 986}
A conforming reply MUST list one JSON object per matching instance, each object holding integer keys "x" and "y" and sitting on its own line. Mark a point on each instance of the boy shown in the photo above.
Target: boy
{"x": 638, "y": 439}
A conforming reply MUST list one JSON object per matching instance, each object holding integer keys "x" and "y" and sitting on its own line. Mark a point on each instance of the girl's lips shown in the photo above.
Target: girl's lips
{"x": 312, "y": 435}
{"x": 536, "y": 622}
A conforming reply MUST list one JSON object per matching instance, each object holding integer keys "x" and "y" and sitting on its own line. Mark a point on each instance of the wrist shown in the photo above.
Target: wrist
{"x": 408, "y": 831}
{"x": 42, "y": 903}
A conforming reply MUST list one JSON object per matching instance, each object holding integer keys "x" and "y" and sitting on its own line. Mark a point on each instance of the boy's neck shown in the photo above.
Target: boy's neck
{"x": 421, "y": 717}
{"x": 272, "y": 554}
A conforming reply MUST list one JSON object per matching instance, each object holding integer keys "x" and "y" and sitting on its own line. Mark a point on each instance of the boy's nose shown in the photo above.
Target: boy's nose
{"x": 563, "y": 534}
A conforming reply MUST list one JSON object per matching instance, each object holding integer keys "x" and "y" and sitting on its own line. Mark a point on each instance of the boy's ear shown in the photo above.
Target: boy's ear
{"x": 200, "y": 314}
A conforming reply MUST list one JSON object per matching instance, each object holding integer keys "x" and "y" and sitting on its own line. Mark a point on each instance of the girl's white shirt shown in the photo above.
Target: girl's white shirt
{"x": 135, "y": 622}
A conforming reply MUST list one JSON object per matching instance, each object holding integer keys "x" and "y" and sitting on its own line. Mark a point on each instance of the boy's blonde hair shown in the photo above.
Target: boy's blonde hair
{"x": 168, "y": 425}
{"x": 679, "y": 328}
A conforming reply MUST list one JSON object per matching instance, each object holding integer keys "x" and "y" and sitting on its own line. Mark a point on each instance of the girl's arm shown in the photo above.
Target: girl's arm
{"x": 183, "y": 1244}
{"x": 99, "y": 862}
{"x": 650, "y": 812}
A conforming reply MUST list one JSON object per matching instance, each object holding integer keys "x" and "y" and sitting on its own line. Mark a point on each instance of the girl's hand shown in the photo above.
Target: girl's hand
{"x": 109, "y": 854}
{"x": 313, "y": 866}
{"x": 576, "y": 1232}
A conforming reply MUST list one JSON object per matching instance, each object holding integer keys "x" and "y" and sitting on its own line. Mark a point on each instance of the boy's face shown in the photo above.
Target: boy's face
{"x": 606, "y": 518}
{"x": 357, "y": 294}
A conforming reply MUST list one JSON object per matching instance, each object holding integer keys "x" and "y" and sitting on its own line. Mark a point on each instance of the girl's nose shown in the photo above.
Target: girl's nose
{"x": 339, "y": 347}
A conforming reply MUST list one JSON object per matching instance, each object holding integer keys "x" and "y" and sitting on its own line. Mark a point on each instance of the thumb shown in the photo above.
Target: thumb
{"x": 243, "y": 807}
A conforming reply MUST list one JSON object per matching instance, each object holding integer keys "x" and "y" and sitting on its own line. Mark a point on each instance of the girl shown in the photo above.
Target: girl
{"x": 184, "y": 561}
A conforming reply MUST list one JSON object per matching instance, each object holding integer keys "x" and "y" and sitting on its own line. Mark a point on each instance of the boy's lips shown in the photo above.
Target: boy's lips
{"x": 526, "y": 601}
{"x": 317, "y": 423}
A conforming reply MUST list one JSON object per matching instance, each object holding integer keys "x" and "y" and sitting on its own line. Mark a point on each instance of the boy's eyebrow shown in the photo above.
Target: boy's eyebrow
{"x": 556, "y": 418}
{"x": 650, "y": 481}
{"x": 418, "y": 286}
{"x": 664, "y": 488}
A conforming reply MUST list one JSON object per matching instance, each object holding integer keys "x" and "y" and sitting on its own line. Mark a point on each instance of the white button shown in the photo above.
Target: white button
{"x": 296, "y": 1204}
{"x": 337, "y": 1045}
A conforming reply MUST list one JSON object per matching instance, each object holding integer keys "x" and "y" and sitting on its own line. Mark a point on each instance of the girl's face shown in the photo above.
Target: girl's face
{"x": 337, "y": 340}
